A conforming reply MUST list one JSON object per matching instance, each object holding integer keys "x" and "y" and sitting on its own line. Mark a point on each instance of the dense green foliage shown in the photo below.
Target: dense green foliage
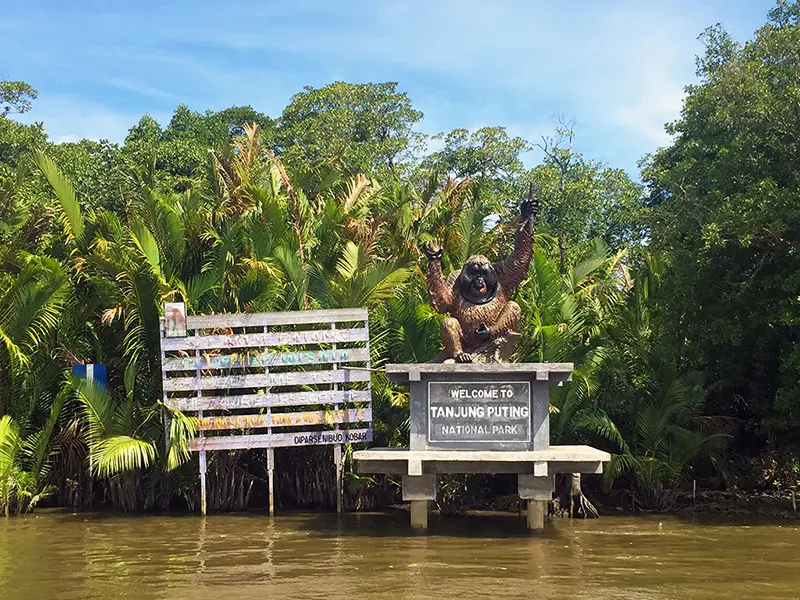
{"x": 679, "y": 303}
{"x": 726, "y": 198}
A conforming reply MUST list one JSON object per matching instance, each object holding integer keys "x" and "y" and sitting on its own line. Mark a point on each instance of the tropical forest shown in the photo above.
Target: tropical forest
{"x": 674, "y": 291}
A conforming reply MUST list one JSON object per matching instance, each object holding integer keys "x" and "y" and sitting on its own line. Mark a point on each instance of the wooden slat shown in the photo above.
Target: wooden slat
{"x": 296, "y": 317}
{"x": 290, "y": 419}
{"x": 273, "y": 440}
{"x": 273, "y": 338}
{"x": 228, "y": 382}
{"x": 272, "y": 400}
{"x": 266, "y": 359}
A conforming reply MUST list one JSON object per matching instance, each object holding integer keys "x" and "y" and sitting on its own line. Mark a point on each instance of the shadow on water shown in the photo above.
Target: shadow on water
{"x": 395, "y": 523}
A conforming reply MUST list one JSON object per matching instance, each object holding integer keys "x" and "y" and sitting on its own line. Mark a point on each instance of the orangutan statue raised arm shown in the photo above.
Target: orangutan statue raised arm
{"x": 439, "y": 290}
{"x": 478, "y": 298}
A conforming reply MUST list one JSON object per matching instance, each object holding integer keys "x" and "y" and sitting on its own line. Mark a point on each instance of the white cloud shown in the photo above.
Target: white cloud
{"x": 69, "y": 119}
{"x": 142, "y": 89}
{"x": 620, "y": 67}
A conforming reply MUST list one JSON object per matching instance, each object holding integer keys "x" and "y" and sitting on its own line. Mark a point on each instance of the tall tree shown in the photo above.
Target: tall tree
{"x": 364, "y": 128}
{"x": 726, "y": 194}
{"x": 584, "y": 199}
{"x": 16, "y": 139}
{"x": 488, "y": 156}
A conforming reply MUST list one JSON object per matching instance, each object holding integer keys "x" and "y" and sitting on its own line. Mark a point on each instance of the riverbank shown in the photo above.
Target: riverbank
{"x": 773, "y": 505}
{"x": 766, "y": 504}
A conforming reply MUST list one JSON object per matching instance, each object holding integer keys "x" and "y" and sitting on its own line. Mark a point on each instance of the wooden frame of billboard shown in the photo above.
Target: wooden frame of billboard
{"x": 306, "y": 373}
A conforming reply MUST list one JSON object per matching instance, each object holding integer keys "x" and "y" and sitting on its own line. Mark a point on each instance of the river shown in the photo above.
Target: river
{"x": 61, "y": 555}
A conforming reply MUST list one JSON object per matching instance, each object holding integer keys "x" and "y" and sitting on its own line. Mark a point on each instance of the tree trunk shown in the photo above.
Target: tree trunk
{"x": 562, "y": 264}
{"x": 572, "y": 503}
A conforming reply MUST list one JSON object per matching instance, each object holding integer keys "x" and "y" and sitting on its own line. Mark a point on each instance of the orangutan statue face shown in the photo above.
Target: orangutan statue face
{"x": 478, "y": 280}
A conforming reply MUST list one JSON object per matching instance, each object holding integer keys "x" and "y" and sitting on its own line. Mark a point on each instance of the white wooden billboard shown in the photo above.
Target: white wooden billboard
{"x": 267, "y": 380}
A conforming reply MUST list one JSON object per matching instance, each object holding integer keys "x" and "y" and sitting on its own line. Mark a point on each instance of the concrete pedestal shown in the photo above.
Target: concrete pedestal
{"x": 535, "y": 471}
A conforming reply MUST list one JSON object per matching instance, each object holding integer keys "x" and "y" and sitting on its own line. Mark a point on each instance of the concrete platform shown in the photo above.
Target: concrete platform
{"x": 556, "y": 459}
{"x": 534, "y": 468}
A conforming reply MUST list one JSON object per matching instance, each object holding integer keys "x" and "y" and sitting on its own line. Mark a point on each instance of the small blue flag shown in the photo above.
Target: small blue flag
{"x": 91, "y": 372}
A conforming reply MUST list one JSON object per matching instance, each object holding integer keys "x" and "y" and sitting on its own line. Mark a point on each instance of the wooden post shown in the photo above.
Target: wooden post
{"x": 271, "y": 479}
{"x": 202, "y": 480}
{"x": 203, "y": 464}
{"x": 419, "y": 514}
{"x": 337, "y": 449}
{"x": 167, "y": 419}
{"x": 270, "y": 451}
{"x": 337, "y": 459}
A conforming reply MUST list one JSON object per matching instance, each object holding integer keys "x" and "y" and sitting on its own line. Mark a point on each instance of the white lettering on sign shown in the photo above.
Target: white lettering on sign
{"x": 479, "y": 412}
{"x": 490, "y": 393}
{"x": 330, "y": 437}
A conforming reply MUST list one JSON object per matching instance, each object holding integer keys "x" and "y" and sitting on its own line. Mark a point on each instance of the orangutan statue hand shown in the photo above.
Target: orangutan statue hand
{"x": 432, "y": 250}
{"x": 529, "y": 209}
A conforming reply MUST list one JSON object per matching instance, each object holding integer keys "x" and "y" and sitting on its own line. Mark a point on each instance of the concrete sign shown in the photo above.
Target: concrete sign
{"x": 477, "y": 411}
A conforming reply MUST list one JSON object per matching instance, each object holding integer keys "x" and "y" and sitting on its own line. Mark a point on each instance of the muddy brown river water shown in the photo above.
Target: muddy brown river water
{"x": 56, "y": 555}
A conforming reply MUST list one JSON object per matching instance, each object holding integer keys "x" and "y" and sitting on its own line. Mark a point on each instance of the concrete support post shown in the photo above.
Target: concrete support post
{"x": 419, "y": 514}
{"x": 537, "y": 491}
{"x": 537, "y": 509}
{"x": 419, "y": 491}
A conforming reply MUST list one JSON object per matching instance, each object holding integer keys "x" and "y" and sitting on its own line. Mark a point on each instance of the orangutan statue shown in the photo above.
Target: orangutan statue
{"x": 477, "y": 298}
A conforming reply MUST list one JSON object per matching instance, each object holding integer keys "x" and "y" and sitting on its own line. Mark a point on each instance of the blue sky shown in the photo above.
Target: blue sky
{"x": 617, "y": 67}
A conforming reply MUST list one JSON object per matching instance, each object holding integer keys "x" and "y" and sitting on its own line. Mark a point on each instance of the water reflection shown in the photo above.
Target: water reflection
{"x": 69, "y": 556}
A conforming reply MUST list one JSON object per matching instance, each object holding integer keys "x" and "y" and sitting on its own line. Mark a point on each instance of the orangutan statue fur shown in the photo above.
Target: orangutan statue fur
{"x": 477, "y": 298}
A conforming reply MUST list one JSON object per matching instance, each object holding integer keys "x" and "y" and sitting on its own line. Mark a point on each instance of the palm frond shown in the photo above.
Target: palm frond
{"x": 64, "y": 192}
{"x": 97, "y": 407}
{"x": 146, "y": 243}
{"x": 296, "y": 276}
{"x": 119, "y": 454}
{"x": 199, "y": 285}
{"x": 182, "y": 430}
{"x": 9, "y": 451}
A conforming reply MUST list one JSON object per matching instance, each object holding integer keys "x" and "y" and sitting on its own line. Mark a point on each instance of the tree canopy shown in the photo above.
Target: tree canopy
{"x": 726, "y": 198}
